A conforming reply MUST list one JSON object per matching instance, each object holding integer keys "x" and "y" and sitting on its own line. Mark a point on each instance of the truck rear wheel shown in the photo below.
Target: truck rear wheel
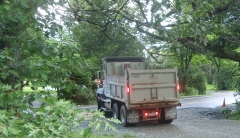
{"x": 162, "y": 119}
{"x": 123, "y": 116}
{"x": 168, "y": 121}
{"x": 115, "y": 111}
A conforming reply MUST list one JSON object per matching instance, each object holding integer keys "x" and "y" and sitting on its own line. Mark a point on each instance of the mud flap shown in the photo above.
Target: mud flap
{"x": 170, "y": 113}
{"x": 133, "y": 116}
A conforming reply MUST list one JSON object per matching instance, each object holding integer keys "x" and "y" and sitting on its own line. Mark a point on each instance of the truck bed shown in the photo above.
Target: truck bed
{"x": 148, "y": 88}
{"x": 153, "y": 86}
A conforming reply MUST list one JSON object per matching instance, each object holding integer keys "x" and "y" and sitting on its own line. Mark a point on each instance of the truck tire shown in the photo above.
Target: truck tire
{"x": 123, "y": 116}
{"x": 115, "y": 111}
{"x": 162, "y": 119}
{"x": 99, "y": 103}
{"x": 168, "y": 121}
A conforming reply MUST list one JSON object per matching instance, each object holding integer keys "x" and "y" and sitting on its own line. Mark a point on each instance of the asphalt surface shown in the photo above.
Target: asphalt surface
{"x": 197, "y": 118}
{"x": 210, "y": 101}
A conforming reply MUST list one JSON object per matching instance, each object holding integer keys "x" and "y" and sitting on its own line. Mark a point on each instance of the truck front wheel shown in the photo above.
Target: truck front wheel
{"x": 115, "y": 111}
{"x": 123, "y": 116}
{"x": 99, "y": 103}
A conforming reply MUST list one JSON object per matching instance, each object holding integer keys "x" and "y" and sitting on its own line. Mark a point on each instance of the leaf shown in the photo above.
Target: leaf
{"x": 24, "y": 4}
{"x": 5, "y": 131}
{"x": 62, "y": 127}
{"x": 189, "y": 18}
{"x": 44, "y": 76}
{"x": 48, "y": 108}
{"x": 29, "y": 125}
{"x": 7, "y": 2}
{"x": 3, "y": 76}
{"x": 13, "y": 130}
{"x": 13, "y": 72}
{"x": 69, "y": 87}
{"x": 19, "y": 121}
{"x": 7, "y": 7}
{"x": 40, "y": 113}
{"x": 17, "y": 86}
{"x": 33, "y": 132}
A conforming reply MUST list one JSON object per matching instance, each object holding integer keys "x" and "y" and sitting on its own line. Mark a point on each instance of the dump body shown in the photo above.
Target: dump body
{"x": 128, "y": 82}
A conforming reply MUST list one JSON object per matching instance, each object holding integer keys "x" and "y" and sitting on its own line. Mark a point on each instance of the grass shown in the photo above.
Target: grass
{"x": 210, "y": 87}
{"x": 183, "y": 95}
{"x": 111, "y": 135}
{"x": 28, "y": 89}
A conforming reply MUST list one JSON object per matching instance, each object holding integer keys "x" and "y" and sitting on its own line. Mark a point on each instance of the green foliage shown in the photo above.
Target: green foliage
{"x": 210, "y": 87}
{"x": 54, "y": 118}
{"x": 29, "y": 56}
{"x": 225, "y": 79}
{"x": 232, "y": 114}
{"x": 227, "y": 112}
{"x": 127, "y": 136}
{"x": 188, "y": 27}
{"x": 209, "y": 78}
{"x": 197, "y": 79}
{"x": 225, "y": 73}
{"x": 189, "y": 91}
{"x": 95, "y": 44}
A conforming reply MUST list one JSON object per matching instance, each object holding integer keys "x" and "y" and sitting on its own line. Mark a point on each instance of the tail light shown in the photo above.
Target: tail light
{"x": 178, "y": 87}
{"x": 146, "y": 114}
{"x": 128, "y": 90}
{"x": 151, "y": 113}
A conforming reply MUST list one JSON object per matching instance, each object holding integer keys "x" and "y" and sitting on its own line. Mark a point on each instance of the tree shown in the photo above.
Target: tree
{"x": 209, "y": 27}
{"x": 225, "y": 73}
{"x": 201, "y": 19}
{"x": 29, "y": 54}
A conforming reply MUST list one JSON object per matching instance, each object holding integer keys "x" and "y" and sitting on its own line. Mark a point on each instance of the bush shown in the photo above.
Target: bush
{"x": 225, "y": 79}
{"x": 80, "y": 89}
{"x": 196, "y": 79}
{"x": 190, "y": 91}
{"x": 54, "y": 118}
{"x": 209, "y": 79}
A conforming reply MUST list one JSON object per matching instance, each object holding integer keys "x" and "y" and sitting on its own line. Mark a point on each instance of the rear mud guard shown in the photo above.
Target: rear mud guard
{"x": 170, "y": 113}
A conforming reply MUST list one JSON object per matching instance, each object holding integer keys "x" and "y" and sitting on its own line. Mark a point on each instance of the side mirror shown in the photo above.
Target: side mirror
{"x": 99, "y": 79}
{"x": 99, "y": 75}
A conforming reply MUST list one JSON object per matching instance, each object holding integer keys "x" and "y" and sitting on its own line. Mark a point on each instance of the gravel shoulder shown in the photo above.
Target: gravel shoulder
{"x": 191, "y": 123}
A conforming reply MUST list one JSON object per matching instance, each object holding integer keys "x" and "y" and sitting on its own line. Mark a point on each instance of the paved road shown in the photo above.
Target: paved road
{"x": 211, "y": 101}
{"x": 216, "y": 99}
{"x": 199, "y": 122}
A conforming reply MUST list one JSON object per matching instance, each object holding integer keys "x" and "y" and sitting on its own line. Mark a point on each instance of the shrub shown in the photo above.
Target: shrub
{"x": 54, "y": 118}
{"x": 196, "y": 79}
{"x": 79, "y": 89}
{"x": 225, "y": 79}
{"x": 190, "y": 91}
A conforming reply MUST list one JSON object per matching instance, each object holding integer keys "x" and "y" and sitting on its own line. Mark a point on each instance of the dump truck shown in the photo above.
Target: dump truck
{"x": 134, "y": 93}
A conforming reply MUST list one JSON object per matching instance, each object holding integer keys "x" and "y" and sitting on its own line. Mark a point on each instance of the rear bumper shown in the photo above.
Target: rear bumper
{"x": 153, "y": 105}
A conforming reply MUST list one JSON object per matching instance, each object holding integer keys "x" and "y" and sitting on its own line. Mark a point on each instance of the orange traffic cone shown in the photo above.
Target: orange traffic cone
{"x": 223, "y": 105}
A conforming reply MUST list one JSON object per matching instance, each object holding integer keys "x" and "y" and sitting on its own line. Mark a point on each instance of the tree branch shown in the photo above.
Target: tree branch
{"x": 141, "y": 9}
{"x": 135, "y": 38}
{"x": 150, "y": 34}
